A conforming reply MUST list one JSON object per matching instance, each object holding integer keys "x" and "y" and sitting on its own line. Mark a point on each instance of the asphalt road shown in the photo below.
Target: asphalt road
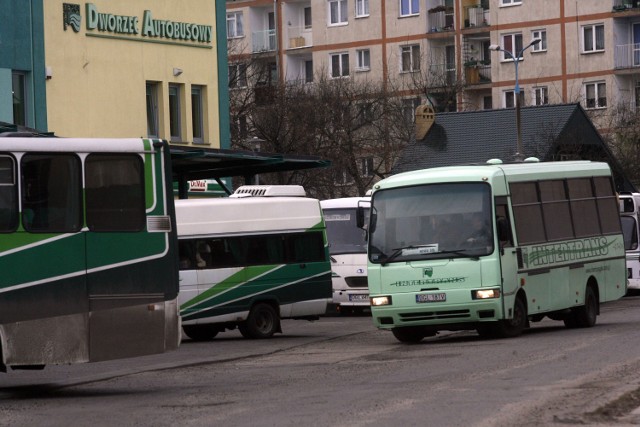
{"x": 340, "y": 371}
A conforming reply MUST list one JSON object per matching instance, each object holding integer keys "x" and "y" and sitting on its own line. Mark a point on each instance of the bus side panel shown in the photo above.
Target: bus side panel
{"x": 286, "y": 284}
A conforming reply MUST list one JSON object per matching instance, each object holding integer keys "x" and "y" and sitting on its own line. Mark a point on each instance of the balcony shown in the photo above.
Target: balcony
{"x": 476, "y": 16}
{"x": 624, "y": 5}
{"x": 263, "y": 41}
{"x": 477, "y": 72}
{"x": 442, "y": 75}
{"x": 627, "y": 56}
{"x": 441, "y": 18}
{"x": 299, "y": 37}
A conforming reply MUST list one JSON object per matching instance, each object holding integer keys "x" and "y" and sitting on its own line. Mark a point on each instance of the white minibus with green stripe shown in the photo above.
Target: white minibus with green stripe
{"x": 249, "y": 260}
{"x": 493, "y": 247}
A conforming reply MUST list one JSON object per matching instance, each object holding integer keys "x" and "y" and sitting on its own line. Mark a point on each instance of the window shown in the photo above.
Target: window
{"x": 363, "y": 57}
{"x": 308, "y": 71}
{"x": 564, "y": 209}
{"x": 409, "y": 7}
{"x": 509, "y": 100}
{"x": 115, "y": 192}
{"x": 555, "y": 210}
{"x": 337, "y": 12}
{"x": 362, "y": 8}
{"x": 19, "y": 91}
{"x": 230, "y": 252}
{"x": 510, "y": 2}
{"x": 152, "y": 110}
{"x": 409, "y": 109}
{"x": 175, "y": 120}
{"x": 540, "y": 95}
{"x": 51, "y": 193}
{"x": 593, "y": 38}
{"x": 235, "y": 25}
{"x": 513, "y": 44}
{"x": 307, "y": 18}
{"x": 340, "y": 65}
{"x": 366, "y": 166}
{"x": 487, "y": 103}
{"x": 595, "y": 95}
{"x": 527, "y": 213}
{"x": 197, "y": 116}
{"x": 542, "y": 35}
{"x": 410, "y": 58}
{"x": 237, "y": 75}
{"x": 8, "y": 195}
{"x": 342, "y": 176}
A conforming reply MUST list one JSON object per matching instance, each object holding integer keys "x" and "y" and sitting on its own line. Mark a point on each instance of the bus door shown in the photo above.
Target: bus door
{"x": 508, "y": 255}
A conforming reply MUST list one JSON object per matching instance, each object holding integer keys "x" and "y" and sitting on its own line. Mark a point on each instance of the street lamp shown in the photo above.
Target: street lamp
{"x": 519, "y": 155}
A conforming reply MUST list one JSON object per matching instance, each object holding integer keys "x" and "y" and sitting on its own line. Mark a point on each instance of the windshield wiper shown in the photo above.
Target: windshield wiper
{"x": 398, "y": 251}
{"x": 458, "y": 252}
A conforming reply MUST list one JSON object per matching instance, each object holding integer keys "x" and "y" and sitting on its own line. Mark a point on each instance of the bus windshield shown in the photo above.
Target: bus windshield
{"x": 431, "y": 221}
{"x": 630, "y": 233}
{"x": 342, "y": 232}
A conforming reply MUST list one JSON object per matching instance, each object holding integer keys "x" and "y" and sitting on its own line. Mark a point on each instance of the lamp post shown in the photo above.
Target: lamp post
{"x": 519, "y": 155}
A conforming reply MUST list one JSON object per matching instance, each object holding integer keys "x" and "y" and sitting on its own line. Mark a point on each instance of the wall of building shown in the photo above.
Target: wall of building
{"x": 101, "y": 61}
{"x": 22, "y": 50}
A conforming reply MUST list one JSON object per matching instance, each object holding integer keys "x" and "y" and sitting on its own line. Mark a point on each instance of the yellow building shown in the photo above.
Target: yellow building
{"x": 123, "y": 68}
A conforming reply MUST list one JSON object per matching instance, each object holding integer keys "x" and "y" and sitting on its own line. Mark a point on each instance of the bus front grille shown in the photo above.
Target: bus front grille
{"x": 435, "y": 315}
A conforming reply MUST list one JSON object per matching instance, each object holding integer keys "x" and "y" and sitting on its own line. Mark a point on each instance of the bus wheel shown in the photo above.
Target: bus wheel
{"x": 262, "y": 322}
{"x": 507, "y": 328}
{"x": 409, "y": 334}
{"x": 584, "y": 316}
{"x": 200, "y": 332}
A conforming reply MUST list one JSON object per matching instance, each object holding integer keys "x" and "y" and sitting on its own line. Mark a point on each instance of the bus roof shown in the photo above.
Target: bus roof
{"x": 228, "y": 216}
{"x": 343, "y": 203}
{"x": 78, "y": 145}
{"x": 513, "y": 172}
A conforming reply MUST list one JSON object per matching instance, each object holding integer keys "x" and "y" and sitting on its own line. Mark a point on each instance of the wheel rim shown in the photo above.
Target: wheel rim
{"x": 264, "y": 322}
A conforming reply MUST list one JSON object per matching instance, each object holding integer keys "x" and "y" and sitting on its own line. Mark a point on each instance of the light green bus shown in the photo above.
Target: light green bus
{"x": 493, "y": 247}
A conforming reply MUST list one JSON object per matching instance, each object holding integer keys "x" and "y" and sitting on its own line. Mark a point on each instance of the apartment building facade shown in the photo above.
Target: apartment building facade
{"x": 588, "y": 50}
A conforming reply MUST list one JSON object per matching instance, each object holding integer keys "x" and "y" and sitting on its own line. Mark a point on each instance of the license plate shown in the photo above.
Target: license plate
{"x": 431, "y": 297}
{"x": 359, "y": 297}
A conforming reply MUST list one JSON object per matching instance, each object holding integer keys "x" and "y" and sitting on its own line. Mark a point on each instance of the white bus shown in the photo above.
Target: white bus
{"x": 629, "y": 205}
{"x": 494, "y": 247}
{"x": 348, "y": 251}
{"x": 249, "y": 260}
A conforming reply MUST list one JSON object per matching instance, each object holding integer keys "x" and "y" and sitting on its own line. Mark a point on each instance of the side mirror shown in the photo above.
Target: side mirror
{"x": 360, "y": 217}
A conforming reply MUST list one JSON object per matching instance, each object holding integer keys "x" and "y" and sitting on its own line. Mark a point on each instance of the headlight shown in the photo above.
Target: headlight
{"x": 485, "y": 293}
{"x": 377, "y": 301}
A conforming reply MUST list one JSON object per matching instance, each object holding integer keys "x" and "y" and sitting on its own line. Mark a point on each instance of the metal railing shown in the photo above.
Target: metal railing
{"x": 476, "y": 16}
{"x": 441, "y": 21}
{"x": 263, "y": 41}
{"x": 627, "y": 56}
{"x": 298, "y": 37}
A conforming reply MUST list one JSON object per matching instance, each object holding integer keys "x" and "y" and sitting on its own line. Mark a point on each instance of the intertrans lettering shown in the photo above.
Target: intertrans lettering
{"x": 429, "y": 281}
{"x": 559, "y": 253}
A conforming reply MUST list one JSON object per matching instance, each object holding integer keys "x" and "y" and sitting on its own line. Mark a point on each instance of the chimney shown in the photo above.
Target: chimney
{"x": 425, "y": 117}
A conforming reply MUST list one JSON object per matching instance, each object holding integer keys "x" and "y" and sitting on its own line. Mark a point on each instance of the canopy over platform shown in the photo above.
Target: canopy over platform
{"x": 189, "y": 164}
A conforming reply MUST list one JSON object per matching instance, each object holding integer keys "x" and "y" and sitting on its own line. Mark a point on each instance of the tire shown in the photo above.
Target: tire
{"x": 507, "y": 328}
{"x": 200, "y": 332}
{"x": 586, "y": 315}
{"x": 409, "y": 334}
{"x": 263, "y": 322}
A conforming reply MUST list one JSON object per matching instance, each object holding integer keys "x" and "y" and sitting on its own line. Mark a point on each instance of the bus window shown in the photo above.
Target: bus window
{"x": 630, "y": 232}
{"x": 115, "y": 192}
{"x": 51, "y": 200}
{"x": 8, "y": 195}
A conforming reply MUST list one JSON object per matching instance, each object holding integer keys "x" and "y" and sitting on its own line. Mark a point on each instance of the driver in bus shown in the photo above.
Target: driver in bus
{"x": 480, "y": 233}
